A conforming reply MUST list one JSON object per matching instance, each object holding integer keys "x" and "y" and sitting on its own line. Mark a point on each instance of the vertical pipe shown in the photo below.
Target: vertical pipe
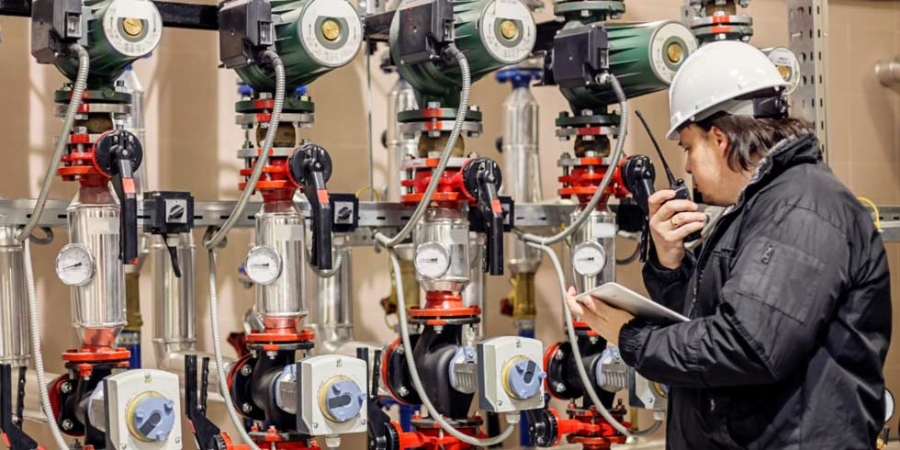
{"x": 175, "y": 306}
{"x": 98, "y": 307}
{"x": 134, "y": 122}
{"x": 401, "y": 98}
{"x": 600, "y": 228}
{"x": 283, "y": 303}
{"x": 15, "y": 348}
{"x": 332, "y": 300}
{"x": 476, "y": 290}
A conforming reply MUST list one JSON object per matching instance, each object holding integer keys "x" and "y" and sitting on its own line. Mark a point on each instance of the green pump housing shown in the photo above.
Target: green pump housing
{"x": 117, "y": 33}
{"x": 491, "y": 33}
{"x": 312, "y": 37}
{"x": 643, "y": 57}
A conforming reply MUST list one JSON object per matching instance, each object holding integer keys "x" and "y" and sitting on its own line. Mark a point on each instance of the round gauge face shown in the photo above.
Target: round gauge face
{"x": 75, "y": 265}
{"x": 133, "y": 27}
{"x": 888, "y": 406}
{"x": 589, "y": 259}
{"x": 787, "y": 64}
{"x": 331, "y": 31}
{"x": 432, "y": 260}
{"x": 669, "y": 48}
{"x": 263, "y": 265}
{"x": 508, "y": 30}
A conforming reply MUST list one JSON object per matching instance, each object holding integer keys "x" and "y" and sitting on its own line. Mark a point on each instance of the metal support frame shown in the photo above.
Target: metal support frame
{"x": 372, "y": 215}
{"x": 807, "y": 33}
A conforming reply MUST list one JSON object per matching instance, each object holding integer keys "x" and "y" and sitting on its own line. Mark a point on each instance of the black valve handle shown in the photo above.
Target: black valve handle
{"x": 119, "y": 155}
{"x": 207, "y": 435}
{"x": 311, "y": 167}
{"x": 482, "y": 179}
{"x": 638, "y": 175}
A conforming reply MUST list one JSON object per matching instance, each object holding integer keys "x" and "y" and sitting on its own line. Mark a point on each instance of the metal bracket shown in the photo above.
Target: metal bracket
{"x": 807, "y": 33}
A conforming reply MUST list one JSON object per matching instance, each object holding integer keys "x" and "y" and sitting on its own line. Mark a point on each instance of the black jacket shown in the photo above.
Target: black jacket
{"x": 791, "y": 318}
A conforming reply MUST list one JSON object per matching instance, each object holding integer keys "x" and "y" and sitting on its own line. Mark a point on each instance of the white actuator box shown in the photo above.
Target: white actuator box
{"x": 143, "y": 410}
{"x": 510, "y": 375}
{"x": 333, "y": 395}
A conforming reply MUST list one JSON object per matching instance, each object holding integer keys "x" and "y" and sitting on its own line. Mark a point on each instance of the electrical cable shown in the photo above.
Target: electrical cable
{"x": 37, "y": 353}
{"x": 871, "y": 204}
{"x": 576, "y": 353}
{"x": 465, "y": 92}
{"x": 615, "y": 158}
{"x": 217, "y": 353}
{"x": 417, "y": 382}
{"x": 263, "y": 159}
{"x": 84, "y": 65}
{"x": 219, "y": 236}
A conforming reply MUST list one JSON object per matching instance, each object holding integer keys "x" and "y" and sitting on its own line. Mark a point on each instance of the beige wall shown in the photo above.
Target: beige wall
{"x": 192, "y": 141}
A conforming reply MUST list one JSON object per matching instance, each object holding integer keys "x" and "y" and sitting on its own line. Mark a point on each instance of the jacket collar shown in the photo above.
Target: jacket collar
{"x": 790, "y": 152}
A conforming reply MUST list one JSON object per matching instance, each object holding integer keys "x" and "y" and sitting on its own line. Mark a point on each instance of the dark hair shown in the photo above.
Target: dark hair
{"x": 751, "y": 138}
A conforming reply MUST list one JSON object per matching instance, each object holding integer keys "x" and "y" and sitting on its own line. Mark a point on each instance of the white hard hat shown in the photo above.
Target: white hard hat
{"x": 720, "y": 76}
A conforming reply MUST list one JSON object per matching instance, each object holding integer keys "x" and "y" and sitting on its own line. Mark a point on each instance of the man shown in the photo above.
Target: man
{"x": 789, "y": 298}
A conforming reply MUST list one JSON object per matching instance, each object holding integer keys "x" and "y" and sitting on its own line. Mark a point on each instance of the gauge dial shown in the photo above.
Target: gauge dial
{"x": 432, "y": 260}
{"x": 75, "y": 265}
{"x": 262, "y": 265}
{"x": 589, "y": 259}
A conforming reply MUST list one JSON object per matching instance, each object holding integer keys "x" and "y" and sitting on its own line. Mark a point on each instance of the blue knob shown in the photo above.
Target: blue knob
{"x": 525, "y": 378}
{"x": 519, "y": 78}
{"x": 301, "y": 91}
{"x": 344, "y": 400}
{"x": 153, "y": 418}
{"x": 245, "y": 90}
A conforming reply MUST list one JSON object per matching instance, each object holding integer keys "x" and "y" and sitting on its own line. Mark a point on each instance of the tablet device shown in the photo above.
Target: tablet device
{"x": 621, "y": 297}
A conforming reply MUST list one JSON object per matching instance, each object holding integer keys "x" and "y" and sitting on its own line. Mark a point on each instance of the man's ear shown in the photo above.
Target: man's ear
{"x": 718, "y": 138}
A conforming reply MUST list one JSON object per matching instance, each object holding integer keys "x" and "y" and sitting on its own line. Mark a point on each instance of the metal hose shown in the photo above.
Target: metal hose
{"x": 38, "y": 353}
{"x": 84, "y": 65}
{"x": 217, "y": 353}
{"x": 417, "y": 382}
{"x": 445, "y": 156}
{"x": 263, "y": 159}
{"x": 617, "y": 155}
{"x": 579, "y": 362}
{"x": 570, "y": 330}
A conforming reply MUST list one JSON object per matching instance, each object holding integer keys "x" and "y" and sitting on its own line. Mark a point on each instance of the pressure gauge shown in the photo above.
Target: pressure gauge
{"x": 589, "y": 259}
{"x": 75, "y": 265}
{"x": 262, "y": 265}
{"x": 432, "y": 260}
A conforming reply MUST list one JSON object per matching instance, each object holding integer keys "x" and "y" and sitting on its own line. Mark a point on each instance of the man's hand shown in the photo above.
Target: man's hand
{"x": 606, "y": 320}
{"x": 671, "y": 221}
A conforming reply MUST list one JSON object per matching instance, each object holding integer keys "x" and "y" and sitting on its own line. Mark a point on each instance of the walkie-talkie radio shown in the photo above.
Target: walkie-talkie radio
{"x": 639, "y": 175}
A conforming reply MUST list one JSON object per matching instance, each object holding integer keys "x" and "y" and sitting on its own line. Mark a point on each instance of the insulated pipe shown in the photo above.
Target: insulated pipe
{"x": 98, "y": 307}
{"x": 333, "y": 304}
{"x": 15, "y": 348}
{"x": 401, "y": 98}
{"x": 175, "y": 306}
{"x": 175, "y": 309}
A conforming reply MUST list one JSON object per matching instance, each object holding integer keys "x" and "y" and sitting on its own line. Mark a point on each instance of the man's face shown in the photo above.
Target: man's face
{"x": 707, "y": 164}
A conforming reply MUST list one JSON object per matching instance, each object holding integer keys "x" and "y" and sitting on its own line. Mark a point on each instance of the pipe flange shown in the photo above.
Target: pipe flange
{"x": 95, "y": 108}
{"x": 436, "y": 128}
{"x": 276, "y": 152}
{"x": 302, "y": 120}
